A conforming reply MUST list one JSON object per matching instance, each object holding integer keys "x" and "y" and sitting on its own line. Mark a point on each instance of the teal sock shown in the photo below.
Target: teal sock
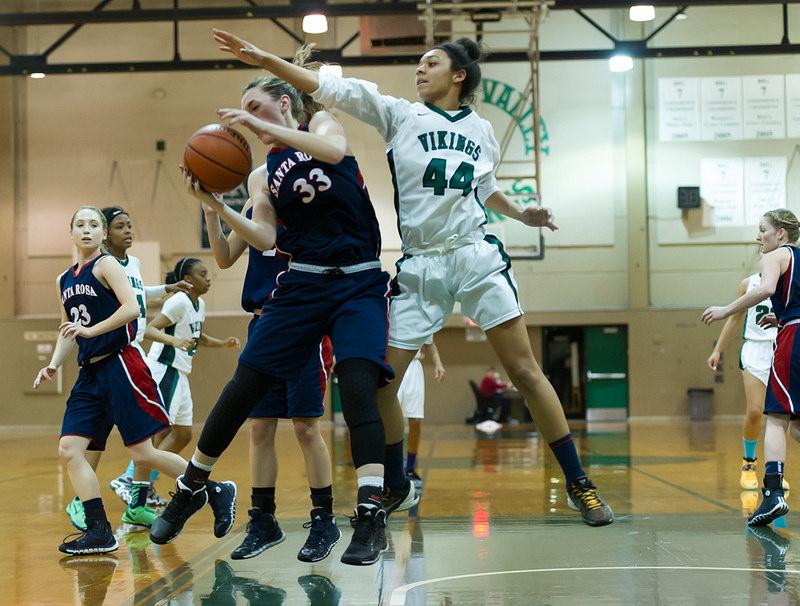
{"x": 153, "y": 475}
{"x": 780, "y": 522}
{"x": 749, "y": 448}
{"x": 129, "y": 471}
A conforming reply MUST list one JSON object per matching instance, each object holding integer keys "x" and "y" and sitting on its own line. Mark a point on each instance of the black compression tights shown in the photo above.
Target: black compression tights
{"x": 234, "y": 405}
{"x": 358, "y": 384}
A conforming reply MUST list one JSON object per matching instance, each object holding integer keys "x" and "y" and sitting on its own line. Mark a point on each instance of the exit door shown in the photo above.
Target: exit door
{"x": 605, "y": 351}
{"x": 588, "y": 368}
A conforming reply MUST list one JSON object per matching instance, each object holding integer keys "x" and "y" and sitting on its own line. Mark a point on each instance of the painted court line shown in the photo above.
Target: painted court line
{"x": 399, "y": 594}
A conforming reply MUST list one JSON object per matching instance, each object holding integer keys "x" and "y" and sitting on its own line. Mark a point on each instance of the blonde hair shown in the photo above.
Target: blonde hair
{"x": 303, "y": 105}
{"x": 94, "y": 209}
{"x": 782, "y": 218}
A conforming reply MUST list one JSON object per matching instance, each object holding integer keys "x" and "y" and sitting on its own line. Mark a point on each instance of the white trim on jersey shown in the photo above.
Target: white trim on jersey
{"x": 790, "y": 269}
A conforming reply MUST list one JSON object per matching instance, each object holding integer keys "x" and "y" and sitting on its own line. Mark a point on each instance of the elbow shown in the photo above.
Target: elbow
{"x": 265, "y": 243}
{"x": 768, "y": 291}
{"x": 223, "y": 263}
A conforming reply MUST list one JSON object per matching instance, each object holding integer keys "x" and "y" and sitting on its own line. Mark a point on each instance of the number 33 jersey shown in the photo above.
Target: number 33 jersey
{"x": 752, "y": 331}
{"x": 325, "y": 208}
{"x": 442, "y": 162}
{"x": 87, "y": 302}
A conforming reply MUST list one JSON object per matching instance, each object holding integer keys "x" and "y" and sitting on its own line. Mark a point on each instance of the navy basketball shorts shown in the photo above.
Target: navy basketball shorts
{"x": 783, "y": 389}
{"x": 118, "y": 390}
{"x": 301, "y": 397}
{"x": 352, "y": 309}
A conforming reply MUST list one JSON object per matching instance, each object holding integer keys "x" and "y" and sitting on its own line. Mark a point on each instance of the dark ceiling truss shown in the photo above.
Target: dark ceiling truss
{"x": 26, "y": 64}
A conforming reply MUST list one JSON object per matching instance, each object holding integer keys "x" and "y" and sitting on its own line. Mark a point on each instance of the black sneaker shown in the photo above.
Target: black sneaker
{"x": 399, "y": 500}
{"x": 222, "y": 498}
{"x": 98, "y": 538}
{"x": 263, "y": 595}
{"x": 263, "y": 532}
{"x": 582, "y": 496}
{"x": 322, "y": 537}
{"x": 369, "y": 536}
{"x": 184, "y": 502}
{"x": 772, "y": 506}
{"x": 320, "y": 590}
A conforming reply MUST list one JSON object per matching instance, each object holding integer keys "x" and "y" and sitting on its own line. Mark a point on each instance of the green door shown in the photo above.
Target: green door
{"x": 606, "y": 372}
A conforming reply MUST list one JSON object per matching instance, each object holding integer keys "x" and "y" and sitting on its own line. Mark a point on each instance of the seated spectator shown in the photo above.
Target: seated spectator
{"x": 492, "y": 384}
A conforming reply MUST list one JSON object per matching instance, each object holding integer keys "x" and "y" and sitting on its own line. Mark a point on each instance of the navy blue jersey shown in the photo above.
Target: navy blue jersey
{"x": 786, "y": 299}
{"x": 262, "y": 270}
{"x": 88, "y": 302}
{"x": 326, "y": 209}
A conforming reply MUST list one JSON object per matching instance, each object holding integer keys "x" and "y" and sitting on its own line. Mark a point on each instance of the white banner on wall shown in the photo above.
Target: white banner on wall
{"x": 722, "y": 187}
{"x": 793, "y": 106}
{"x": 763, "y": 107}
{"x": 679, "y": 109}
{"x": 764, "y": 186}
{"x": 721, "y": 108}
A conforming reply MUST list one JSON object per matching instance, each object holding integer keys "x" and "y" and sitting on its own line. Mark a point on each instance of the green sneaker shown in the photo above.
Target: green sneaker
{"x": 76, "y": 515}
{"x": 139, "y": 516}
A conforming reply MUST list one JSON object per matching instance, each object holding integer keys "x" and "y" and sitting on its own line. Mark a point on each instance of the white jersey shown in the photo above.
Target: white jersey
{"x": 187, "y": 323}
{"x": 442, "y": 163}
{"x": 133, "y": 269}
{"x": 752, "y": 331}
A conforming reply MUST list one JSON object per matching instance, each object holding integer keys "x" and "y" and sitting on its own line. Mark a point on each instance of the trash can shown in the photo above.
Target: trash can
{"x": 701, "y": 403}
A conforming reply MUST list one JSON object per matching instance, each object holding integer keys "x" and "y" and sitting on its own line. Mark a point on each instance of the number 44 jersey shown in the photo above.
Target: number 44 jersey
{"x": 752, "y": 331}
{"x": 442, "y": 162}
{"x": 325, "y": 208}
{"x": 87, "y": 302}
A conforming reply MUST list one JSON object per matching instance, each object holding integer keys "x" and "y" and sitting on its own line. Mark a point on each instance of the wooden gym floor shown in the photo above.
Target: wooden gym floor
{"x": 492, "y": 528}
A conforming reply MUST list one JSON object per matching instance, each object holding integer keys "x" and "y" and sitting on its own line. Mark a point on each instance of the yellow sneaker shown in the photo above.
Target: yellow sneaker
{"x": 748, "y": 480}
{"x": 785, "y": 485}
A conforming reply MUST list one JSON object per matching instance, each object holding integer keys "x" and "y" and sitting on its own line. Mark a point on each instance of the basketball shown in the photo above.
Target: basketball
{"x": 218, "y": 157}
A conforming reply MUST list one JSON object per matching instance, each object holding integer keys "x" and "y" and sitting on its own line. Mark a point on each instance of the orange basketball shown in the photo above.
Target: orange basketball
{"x": 218, "y": 157}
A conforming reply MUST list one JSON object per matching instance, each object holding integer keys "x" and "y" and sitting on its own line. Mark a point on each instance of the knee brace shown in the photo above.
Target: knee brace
{"x": 358, "y": 383}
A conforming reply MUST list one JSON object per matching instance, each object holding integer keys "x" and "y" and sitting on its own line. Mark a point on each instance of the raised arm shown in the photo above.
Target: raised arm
{"x": 261, "y": 231}
{"x": 772, "y": 266}
{"x": 325, "y": 139}
{"x": 226, "y": 250}
{"x": 358, "y": 98}
{"x": 728, "y": 329}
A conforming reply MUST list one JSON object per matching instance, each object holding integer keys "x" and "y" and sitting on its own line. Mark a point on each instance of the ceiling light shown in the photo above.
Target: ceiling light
{"x": 37, "y": 75}
{"x": 642, "y": 12}
{"x": 315, "y": 24}
{"x": 336, "y": 70}
{"x": 681, "y": 16}
{"x": 620, "y": 63}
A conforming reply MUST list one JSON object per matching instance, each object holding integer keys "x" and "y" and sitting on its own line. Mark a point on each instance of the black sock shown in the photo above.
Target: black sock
{"x": 94, "y": 510}
{"x": 370, "y": 495}
{"x": 394, "y": 476}
{"x": 322, "y": 498}
{"x": 194, "y": 477}
{"x": 263, "y": 499}
{"x": 773, "y": 481}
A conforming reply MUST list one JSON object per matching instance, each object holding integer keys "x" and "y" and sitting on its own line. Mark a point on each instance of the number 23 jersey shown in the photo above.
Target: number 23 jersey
{"x": 752, "y": 331}
{"x": 325, "y": 208}
{"x": 87, "y": 302}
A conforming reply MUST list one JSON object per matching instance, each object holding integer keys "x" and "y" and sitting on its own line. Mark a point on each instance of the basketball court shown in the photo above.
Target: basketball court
{"x": 492, "y": 528}
{"x": 658, "y": 134}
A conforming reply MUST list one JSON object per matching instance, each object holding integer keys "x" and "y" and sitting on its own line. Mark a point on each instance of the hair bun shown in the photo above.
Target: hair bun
{"x": 470, "y": 47}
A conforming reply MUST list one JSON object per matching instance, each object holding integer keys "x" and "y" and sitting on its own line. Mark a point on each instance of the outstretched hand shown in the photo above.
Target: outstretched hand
{"x": 261, "y": 128}
{"x": 712, "y": 314}
{"x": 538, "y": 216}
{"x": 241, "y": 49}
